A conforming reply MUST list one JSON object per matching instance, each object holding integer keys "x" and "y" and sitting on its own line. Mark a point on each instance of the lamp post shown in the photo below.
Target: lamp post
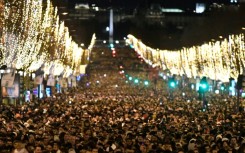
{"x": 203, "y": 88}
{"x": 171, "y": 86}
{"x": 32, "y": 77}
{"x": 20, "y": 73}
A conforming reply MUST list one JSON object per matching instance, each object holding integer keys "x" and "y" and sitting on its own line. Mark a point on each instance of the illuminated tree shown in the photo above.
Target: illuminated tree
{"x": 1, "y": 24}
{"x": 32, "y": 35}
{"x": 219, "y": 60}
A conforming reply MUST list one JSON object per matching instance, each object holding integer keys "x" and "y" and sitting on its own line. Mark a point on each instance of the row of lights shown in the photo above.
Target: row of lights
{"x": 116, "y": 41}
{"x": 21, "y": 73}
{"x": 137, "y": 80}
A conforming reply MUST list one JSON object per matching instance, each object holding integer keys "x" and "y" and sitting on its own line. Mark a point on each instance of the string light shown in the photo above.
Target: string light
{"x": 32, "y": 35}
{"x": 217, "y": 60}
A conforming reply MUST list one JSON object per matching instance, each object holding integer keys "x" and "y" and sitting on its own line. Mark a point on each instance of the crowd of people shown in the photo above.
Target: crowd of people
{"x": 95, "y": 121}
{"x": 106, "y": 114}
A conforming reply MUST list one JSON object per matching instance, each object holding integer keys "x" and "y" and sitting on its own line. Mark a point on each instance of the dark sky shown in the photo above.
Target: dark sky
{"x": 143, "y": 3}
{"x": 172, "y": 32}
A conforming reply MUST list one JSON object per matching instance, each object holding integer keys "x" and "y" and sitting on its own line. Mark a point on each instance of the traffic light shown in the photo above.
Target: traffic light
{"x": 171, "y": 83}
{"x": 136, "y": 81}
{"x": 113, "y": 53}
{"x": 203, "y": 87}
{"x": 111, "y": 45}
{"x": 222, "y": 87}
{"x": 146, "y": 83}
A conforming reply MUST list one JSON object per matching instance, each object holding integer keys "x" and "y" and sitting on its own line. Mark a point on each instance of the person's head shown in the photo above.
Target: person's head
{"x": 31, "y": 138}
{"x": 143, "y": 148}
{"x": 38, "y": 149}
{"x": 207, "y": 148}
{"x": 229, "y": 151}
{"x": 154, "y": 139}
{"x": 192, "y": 144}
{"x": 1, "y": 142}
{"x": 167, "y": 147}
{"x": 195, "y": 150}
{"x": 94, "y": 150}
{"x": 9, "y": 142}
{"x": 82, "y": 151}
{"x": 56, "y": 146}
{"x": 178, "y": 145}
{"x": 214, "y": 151}
{"x": 18, "y": 145}
{"x": 49, "y": 147}
{"x": 233, "y": 141}
{"x": 140, "y": 139}
{"x": 129, "y": 151}
{"x": 71, "y": 150}
{"x": 225, "y": 144}
{"x": 129, "y": 141}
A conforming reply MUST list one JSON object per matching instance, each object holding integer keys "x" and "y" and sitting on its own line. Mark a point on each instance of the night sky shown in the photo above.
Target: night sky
{"x": 165, "y": 34}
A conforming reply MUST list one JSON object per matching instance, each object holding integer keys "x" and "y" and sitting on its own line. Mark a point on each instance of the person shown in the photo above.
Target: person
{"x": 38, "y": 149}
{"x": 180, "y": 151}
{"x": 56, "y": 148}
{"x": 125, "y": 118}
{"x": 71, "y": 150}
{"x": 233, "y": 144}
{"x": 49, "y": 148}
{"x": 19, "y": 147}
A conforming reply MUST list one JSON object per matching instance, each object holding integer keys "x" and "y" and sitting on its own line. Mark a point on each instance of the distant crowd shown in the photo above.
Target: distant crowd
{"x": 102, "y": 121}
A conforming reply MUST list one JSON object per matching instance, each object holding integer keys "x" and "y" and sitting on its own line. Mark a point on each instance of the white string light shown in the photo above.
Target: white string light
{"x": 33, "y": 35}
{"x": 218, "y": 60}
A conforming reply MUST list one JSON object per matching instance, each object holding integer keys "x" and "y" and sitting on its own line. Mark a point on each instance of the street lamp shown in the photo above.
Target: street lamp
{"x": 203, "y": 88}
{"x": 146, "y": 82}
{"x": 171, "y": 86}
{"x": 136, "y": 81}
{"x": 21, "y": 83}
{"x": 32, "y": 77}
{"x": 1, "y": 72}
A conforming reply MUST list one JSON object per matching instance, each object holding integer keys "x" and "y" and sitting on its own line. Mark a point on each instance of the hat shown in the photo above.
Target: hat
{"x": 192, "y": 140}
{"x": 225, "y": 139}
{"x": 219, "y": 136}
